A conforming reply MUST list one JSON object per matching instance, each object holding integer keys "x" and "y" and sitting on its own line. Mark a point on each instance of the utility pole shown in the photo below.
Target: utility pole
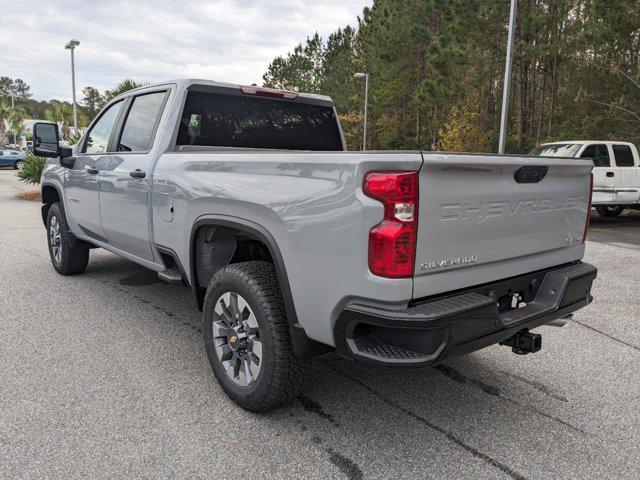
{"x": 504, "y": 121}
{"x": 366, "y": 106}
{"x": 71, "y": 45}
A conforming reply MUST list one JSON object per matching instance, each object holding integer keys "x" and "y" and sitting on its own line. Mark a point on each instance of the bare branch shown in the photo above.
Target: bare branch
{"x": 611, "y": 105}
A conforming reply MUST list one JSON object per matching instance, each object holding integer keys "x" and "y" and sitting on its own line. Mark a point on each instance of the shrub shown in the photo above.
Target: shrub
{"x": 32, "y": 169}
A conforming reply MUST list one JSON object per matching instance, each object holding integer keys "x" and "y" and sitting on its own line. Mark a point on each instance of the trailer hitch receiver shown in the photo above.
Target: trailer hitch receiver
{"x": 524, "y": 342}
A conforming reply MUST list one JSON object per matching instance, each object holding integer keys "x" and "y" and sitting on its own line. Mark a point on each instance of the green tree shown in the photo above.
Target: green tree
{"x": 92, "y": 101}
{"x": 17, "y": 88}
{"x": 300, "y": 70}
{"x": 61, "y": 113}
{"x": 124, "y": 86}
{"x": 5, "y": 115}
{"x": 16, "y": 120}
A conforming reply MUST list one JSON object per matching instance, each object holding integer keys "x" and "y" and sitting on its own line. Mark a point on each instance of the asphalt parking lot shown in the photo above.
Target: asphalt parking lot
{"x": 104, "y": 375}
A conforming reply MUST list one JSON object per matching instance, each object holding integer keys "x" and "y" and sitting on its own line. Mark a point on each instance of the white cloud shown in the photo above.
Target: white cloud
{"x": 226, "y": 40}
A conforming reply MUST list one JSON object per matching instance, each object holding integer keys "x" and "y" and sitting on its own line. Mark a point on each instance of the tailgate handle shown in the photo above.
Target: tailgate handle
{"x": 531, "y": 174}
{"x": 610, "y": 174}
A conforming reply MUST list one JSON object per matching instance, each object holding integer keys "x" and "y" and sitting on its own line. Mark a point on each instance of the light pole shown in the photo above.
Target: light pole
{"x": 504, "y": 121}
{"x": 71, "y": 45}
{"x": 366, "y": 105}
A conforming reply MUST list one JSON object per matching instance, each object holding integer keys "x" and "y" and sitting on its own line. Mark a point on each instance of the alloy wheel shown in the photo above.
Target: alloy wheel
{"x": 55, "y": 239}
{"x": 236, "y": 339}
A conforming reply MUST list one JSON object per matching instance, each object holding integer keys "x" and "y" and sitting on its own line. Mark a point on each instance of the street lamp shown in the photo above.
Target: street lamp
{"x": 366, "y": 105}
{"x": 71, "y": 45}
{"x": 504, "y": 121}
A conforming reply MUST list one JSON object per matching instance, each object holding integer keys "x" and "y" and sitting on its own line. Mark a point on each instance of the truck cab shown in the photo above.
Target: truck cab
{"x": 616, "y": 173}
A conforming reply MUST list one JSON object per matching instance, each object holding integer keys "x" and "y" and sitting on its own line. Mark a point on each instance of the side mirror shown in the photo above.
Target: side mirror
{"x": 45, "y": 140}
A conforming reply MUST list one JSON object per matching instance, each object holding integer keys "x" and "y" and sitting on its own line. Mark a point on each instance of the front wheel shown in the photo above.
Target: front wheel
{"x": 247, "y": 338}
{"x": 69, "y": 255}
{"x": 610, "y": 211}
{"x": 19, "y": 164}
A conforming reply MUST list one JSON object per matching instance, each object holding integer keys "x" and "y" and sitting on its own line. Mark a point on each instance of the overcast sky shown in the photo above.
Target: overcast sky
{"x": 226, "y": 40}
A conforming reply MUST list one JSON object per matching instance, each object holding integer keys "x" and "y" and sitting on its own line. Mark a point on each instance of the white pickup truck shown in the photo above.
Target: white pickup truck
{"x": 616, "y": 176}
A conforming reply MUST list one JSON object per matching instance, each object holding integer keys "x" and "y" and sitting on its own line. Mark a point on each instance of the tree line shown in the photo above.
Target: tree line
{"x": 437, "y": 67}
{"x": 24, "y": 106}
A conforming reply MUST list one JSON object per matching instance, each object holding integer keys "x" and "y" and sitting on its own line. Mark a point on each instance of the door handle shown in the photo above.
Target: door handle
{"x": 138, "y": 174}
{"x": 92, "y": 171}
{"x": 610, "y": 174}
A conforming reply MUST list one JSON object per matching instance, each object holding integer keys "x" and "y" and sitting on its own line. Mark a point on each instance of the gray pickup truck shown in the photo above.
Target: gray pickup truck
{"x": 294, "y": 247}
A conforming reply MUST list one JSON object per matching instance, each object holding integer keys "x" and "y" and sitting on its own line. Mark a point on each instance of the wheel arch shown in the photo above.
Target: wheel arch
{"x": 303, "y": 346}
{"x": 50, "y": 195}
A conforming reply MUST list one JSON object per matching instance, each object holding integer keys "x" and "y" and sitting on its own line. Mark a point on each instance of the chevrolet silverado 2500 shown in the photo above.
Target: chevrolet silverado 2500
{"x": 294, "y": 247}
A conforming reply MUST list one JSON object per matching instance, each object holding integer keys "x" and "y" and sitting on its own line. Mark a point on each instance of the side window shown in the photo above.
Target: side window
{"x": 599, "y": 154}
{"x": 98, "y": 138}
{"x": 137, "y": 133}
{"x": 623, "y": 155}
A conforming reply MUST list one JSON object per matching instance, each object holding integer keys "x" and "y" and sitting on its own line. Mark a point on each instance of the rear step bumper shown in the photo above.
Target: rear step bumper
{"x": 431, "y": 330}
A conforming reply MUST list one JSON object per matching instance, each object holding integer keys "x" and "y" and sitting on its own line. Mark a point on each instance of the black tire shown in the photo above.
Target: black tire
{"x": 610, "y": 211}
{"x": 281, "y": 374}
{"x": 18, "y": 165}
{"x": 74, "y": 254}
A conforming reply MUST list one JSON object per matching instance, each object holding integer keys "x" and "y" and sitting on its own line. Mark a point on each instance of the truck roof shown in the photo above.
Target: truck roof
{"x": 184, "y": 83}
{"x": 580, "y": 142}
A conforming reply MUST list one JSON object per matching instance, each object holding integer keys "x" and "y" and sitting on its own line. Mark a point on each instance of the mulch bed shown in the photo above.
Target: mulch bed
{"x": 31, "y": 195}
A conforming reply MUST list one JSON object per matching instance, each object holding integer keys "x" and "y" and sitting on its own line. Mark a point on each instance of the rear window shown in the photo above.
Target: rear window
{"x": 624, "y": 155}
{"x": 559, "y": 150}
{"x": 238, "y": 121}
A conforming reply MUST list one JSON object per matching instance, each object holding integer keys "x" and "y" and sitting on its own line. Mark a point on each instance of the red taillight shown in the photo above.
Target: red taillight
{"x": 268, "y": 92}
{"x": 588, "y": 220}
{"x": 392, "y": 243}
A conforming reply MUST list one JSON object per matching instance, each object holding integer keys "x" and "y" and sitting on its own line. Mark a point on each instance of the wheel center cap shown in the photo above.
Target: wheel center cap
{"x": 236, "y": 339}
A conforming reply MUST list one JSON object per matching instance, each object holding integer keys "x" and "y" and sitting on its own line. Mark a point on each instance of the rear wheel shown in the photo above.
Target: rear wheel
{"x": 69, "y": 255}
{"x": 610, "y": 211}
{"x": 247, "y": 338}
{"x": 19, "y": 164}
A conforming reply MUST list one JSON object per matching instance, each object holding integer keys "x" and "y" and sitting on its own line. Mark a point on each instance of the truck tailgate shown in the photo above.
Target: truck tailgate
{"x": 480, "y": 221}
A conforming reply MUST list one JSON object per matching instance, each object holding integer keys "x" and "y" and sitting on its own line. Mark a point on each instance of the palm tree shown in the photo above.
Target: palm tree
{"x": 124, "y": 86}
{"x": 16, "y": 119}
{"x": 62, "y": 113}
{"x": 5, "y": 114}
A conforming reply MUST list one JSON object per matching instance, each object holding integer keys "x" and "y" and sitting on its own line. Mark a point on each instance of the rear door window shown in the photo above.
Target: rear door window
{"x": 623, "y": 155}
{"x": 238, "y": 121}
{"x": 599, "y": 153}
{"x": 140, "y": 124}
